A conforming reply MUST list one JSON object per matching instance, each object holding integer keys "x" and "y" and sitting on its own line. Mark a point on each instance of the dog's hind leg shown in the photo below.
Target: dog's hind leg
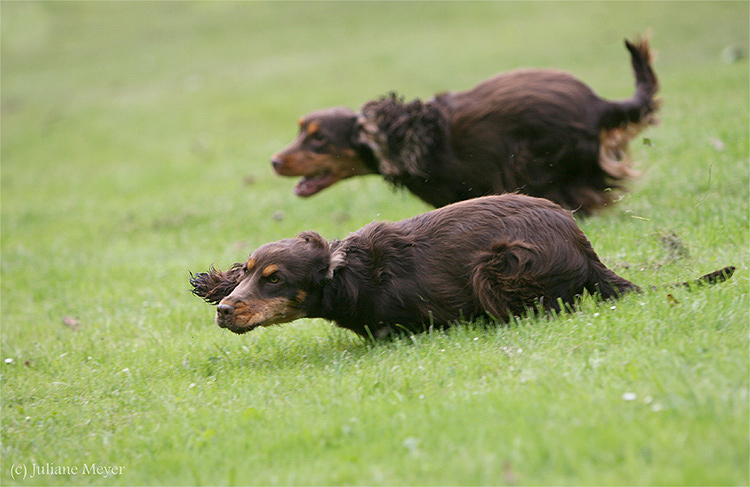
{"x": 504, "y": 282}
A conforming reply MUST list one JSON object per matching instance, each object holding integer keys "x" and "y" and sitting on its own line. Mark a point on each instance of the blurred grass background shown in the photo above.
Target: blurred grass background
{"x": 135, "y": 145}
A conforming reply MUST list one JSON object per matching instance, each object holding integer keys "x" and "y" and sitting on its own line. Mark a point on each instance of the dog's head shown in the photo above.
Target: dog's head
{"x": 389, "y": 137}
{"x": 324, "y": 152}
{"x": 279, "y": 283}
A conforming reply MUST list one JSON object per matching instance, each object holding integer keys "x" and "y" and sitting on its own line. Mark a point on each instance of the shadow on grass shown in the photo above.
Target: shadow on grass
{"x": 323, "y": 345}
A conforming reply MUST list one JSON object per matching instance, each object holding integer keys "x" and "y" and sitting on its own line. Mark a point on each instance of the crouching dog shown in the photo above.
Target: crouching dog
{"x": 497, "y": 255}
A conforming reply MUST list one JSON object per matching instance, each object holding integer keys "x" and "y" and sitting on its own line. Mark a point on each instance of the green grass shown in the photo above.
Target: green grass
{"x": 135, "y": 148}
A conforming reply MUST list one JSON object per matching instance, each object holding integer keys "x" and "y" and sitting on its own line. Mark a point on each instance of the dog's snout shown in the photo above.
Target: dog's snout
{"x": 225, "y": 310}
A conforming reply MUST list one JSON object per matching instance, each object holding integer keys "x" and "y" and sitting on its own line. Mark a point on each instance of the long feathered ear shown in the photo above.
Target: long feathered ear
{"x": 370, "y": 135}
{"x": 215, "y": 285}
{"x": 401, "y": 135}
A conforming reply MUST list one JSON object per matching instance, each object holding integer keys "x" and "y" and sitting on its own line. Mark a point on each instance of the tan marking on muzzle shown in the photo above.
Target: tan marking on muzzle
{"x": 260, "y": 312}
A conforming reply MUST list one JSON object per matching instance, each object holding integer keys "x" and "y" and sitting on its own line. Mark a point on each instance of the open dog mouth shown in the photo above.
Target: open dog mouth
{"x": 309, "y": 185}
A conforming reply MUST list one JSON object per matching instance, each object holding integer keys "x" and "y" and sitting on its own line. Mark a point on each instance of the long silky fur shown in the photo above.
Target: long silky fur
{"x": 215, "y": 285}
{"x": 405, "y": 136}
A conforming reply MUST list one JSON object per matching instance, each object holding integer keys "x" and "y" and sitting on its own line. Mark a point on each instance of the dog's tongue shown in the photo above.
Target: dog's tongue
{"x": 308, "y": 186}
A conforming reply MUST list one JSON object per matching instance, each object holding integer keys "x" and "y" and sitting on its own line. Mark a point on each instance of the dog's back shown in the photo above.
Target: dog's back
{"x": 496, "y": 254}
{"x": 523, "y": 99}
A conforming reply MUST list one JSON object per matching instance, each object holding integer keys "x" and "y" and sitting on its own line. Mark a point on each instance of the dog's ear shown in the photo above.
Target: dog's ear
{"x": 348, "y": 128}
{"x": 401, "y": 135}
{"x": 338, "y": 260}
{"x": 215, "y": 285}
{"x": 325, "y": 269}
{"x": 335, "y": 255}
{"x": 355, "y": 136}
{"x": 368, "y": 134}
{"x": 314, "y": 239}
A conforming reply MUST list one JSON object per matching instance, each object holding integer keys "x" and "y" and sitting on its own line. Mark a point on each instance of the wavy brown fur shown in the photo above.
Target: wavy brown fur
{"x": 214, "y": 285}
{"x": 496, "y": 255}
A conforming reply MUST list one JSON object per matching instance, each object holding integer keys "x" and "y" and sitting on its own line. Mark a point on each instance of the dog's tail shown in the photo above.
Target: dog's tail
{"x": 622, "y": 121}
{"x": 613, "y": 286}
{"x": 714, "y": 277}
{"x": 641, "y": 107}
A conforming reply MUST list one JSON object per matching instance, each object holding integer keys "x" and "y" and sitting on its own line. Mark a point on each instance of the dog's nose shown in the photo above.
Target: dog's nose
{"x": 276, "y": 162}
{"x": 225, "y": 310}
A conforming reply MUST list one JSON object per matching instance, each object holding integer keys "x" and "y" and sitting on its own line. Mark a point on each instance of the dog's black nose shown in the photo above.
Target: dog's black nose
{"x": 225, "y": 310}
{"x": 276, "y": 162}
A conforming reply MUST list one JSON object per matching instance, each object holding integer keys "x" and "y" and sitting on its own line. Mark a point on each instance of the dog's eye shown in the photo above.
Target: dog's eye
{"x": 318, "y": 138}
{"x": 273, "y": 278}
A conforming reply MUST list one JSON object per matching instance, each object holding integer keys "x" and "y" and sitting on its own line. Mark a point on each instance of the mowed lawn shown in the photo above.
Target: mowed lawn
{"x": 136, "y": 139}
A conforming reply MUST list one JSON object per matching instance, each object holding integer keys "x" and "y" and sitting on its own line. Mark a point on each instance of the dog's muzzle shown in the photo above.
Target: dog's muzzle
{"x": 225, "y": 319}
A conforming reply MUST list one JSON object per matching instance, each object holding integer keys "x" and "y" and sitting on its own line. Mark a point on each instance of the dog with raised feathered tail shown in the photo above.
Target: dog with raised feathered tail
{"x": 539, "y": 132}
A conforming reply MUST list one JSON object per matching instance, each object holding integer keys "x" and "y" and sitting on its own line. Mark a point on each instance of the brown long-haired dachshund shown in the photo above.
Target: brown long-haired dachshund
{"x": 497, "y": 255}
{"x": 536, "y": 131}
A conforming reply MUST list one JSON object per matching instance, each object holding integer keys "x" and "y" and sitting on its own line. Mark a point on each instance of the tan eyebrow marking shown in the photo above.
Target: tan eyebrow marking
{"x": 312, "y": 127}
{"x": 250, "y": 264}
{"x": 270, "y": 269}
{"x": 301, "y": 121}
